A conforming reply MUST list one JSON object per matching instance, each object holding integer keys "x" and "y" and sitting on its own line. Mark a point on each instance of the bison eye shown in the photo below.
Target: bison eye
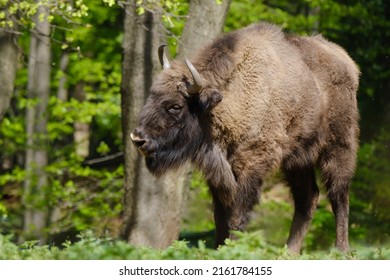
{"x": 175, "y": 109}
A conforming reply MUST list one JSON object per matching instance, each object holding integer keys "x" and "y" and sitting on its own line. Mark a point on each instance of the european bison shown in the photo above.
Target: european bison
{"x": 251, "y": 102}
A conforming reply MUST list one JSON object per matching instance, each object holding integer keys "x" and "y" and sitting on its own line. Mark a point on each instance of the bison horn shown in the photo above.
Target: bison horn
{"x": 197, "y": 86}
{"x": 163, "y": 57}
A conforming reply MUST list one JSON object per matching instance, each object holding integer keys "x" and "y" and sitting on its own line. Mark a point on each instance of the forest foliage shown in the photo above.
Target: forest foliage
{"x": 249, "y": 247}
{"x": 85, "y": 190}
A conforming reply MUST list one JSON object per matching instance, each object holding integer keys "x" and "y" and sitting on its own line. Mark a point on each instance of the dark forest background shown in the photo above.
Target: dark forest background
{"x": 73, "y": 77}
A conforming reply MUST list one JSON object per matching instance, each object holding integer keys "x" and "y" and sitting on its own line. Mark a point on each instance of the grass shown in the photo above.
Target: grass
{"x": 248, "y": 247}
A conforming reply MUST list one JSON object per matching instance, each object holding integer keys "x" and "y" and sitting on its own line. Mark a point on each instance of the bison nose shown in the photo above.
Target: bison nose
{"x": 138, "y": 142}
{"x": 137, "y": 138}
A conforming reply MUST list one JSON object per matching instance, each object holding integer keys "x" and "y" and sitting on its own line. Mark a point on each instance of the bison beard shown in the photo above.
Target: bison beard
{"x": 179, "y": 144}
{"x": 254, "y": 101}
{"x": 166, "y": 158}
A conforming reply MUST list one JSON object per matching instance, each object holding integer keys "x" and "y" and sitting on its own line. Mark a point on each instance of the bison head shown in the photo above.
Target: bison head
{"x": 173, "y": 123}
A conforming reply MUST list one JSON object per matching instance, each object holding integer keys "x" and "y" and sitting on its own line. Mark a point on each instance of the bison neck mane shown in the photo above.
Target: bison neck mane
{"x": 212, "y": 161}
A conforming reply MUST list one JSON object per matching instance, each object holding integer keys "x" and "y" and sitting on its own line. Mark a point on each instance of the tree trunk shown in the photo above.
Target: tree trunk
{"x": 148, "y": 201}
{"x": 36, "y": 153}
{"x": 8, "y": 64}
{"x": 152, "y": 207}
{"x": 81, "y": 134}
{"x": 62, "y": 92}
{"x": 205, "y": 21}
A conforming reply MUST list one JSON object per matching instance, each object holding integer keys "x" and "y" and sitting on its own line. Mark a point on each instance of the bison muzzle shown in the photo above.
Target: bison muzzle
{"x": 254, "y": 101}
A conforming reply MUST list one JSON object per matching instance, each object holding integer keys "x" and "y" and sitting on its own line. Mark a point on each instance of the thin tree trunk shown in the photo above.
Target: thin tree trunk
{"x": 62, "y": 92}
{"x": 54, "y": 212}
{"x": 81, "y": 132}
{"x": 8, "y": 64}
{"x": 314, "y": 12}
{"x": 36, "y": 153}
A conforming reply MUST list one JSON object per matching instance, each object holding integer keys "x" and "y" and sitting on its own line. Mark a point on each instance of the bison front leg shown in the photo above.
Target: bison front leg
{"x": 233, "y": 214}
{"x": 221, "y": 220}
{"x": 244, "y": 202}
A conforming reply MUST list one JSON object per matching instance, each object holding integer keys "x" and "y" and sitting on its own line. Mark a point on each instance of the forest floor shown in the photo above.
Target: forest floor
{"x": 249, "y": 246}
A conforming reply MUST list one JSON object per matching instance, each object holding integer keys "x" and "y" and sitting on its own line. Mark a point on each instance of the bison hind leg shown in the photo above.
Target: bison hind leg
{"x": 305, "y": 194}
{"x": 337, "y": 167}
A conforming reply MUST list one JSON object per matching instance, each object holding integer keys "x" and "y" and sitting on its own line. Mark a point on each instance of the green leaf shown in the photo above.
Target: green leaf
{"x": 103, "y": 148}
{"x": 109, "y": 2}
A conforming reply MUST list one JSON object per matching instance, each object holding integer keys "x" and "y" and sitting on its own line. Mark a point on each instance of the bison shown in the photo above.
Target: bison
{"x": 252, "y": 102}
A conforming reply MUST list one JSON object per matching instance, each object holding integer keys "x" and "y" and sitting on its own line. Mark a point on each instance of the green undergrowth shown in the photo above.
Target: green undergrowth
{"x": 249, "y": 246}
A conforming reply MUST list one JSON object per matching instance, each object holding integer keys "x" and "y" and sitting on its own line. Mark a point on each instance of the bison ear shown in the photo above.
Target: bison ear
{"x": 209, "y": 98}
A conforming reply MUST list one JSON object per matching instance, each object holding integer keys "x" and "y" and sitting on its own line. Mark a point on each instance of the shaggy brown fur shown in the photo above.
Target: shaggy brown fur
{"x": 269, "y": 101}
